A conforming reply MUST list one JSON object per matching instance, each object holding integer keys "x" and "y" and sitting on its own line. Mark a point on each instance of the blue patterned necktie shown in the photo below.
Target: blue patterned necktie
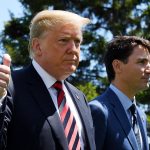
{"x": 135, "y": 124}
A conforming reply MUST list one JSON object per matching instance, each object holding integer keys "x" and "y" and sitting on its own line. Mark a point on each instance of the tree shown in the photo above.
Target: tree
{"x": 109, "y": 18}
{"x": 89, "y": 90}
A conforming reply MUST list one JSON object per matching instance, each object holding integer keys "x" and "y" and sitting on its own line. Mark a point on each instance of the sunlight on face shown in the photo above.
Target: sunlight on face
{"x": 60, "y": 50}
{"x": 136, "y": 72}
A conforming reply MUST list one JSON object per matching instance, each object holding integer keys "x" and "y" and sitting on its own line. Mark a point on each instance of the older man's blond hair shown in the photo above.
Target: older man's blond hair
{"x": 46, "y": 20}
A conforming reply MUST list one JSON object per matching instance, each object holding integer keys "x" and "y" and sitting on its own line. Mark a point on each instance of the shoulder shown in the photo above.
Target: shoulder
{"x": 22, "y": 72}
{"x": 103, "y": 104}
{"x": 99, "y": 107}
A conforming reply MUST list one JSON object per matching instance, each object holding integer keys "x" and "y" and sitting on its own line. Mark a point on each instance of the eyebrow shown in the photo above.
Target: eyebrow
{"x": 64, "y": 35}
{"x": 143, "y": 59}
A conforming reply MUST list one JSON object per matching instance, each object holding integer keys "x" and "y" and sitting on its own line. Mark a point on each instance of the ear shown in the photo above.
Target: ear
{"x": 117, "y": 65}
{"x": 36, "y": 47}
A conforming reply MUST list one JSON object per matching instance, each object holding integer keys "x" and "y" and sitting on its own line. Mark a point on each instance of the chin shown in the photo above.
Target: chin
{"x": 147, "y": 85}
{"x": 71, "y": 69}
{"x": 65, "y": 76}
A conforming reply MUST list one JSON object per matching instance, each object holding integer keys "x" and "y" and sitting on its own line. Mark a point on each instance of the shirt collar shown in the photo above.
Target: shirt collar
{"x": 125, "y": 101}
{"x": 47, "y": 78}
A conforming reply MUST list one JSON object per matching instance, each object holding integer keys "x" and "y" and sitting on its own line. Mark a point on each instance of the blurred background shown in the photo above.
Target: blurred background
{"x": 109, "y": 18}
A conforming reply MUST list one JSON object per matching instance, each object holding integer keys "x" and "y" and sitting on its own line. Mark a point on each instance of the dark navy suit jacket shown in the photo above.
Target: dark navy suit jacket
{"x": 29, "y": 120}
{"x": 113, "y": 130}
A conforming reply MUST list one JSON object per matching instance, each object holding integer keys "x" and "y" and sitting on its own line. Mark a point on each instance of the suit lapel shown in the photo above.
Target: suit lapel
{"x": 122, "y": 117}
{"x": 58, "y": 130}
{"x": 46, "y": 106}
{"x": 82, "y": 110}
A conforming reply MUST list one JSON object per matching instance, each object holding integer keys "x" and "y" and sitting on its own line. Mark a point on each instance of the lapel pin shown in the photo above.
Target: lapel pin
{"x": 142, "y": 118}
{"x": 77, "y": 96}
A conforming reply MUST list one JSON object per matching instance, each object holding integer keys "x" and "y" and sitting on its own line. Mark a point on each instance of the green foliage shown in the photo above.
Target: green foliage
{"x": 15, "y": 40}
{"x": 148, "y": 123}
{"x": 109, "y": 18}
{"x": 89, "y": 90}
{"x": 148, "y": 119}
{"x": 144, "y": 96}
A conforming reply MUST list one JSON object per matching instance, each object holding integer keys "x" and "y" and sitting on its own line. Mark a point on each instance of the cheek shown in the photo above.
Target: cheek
{"x": 79, "y": 53}
{"x": 47, "y": 58}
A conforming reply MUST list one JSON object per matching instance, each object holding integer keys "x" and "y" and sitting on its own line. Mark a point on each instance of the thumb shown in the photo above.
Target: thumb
{"x": 6, "y": 60}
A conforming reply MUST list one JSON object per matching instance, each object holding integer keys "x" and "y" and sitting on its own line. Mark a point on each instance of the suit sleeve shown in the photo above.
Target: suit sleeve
{"x": 6, "y": 110}
{"x": 99, "y": 115}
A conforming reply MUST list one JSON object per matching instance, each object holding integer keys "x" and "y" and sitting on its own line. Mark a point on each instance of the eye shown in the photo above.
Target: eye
{"x": 143, "y": 61}
{"x": 77, "y": 42}
{"x": 63, "y": 40}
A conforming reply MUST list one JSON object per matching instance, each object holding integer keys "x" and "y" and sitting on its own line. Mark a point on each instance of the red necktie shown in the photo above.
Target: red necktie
{"x": 67, "y": 118}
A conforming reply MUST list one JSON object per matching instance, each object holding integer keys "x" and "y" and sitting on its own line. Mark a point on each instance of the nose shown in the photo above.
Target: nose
{"x": 148, "y": 68}
{"x": 73, "y": 47}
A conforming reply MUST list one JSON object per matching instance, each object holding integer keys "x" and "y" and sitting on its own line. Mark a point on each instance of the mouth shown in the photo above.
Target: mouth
{"x": 74, "y": 59}
{"x": 73, "y": 63}
{"x": 146, "y": 79}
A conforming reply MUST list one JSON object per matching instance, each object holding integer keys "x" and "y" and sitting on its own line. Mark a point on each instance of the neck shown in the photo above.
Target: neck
{"x": 124, "y": 89}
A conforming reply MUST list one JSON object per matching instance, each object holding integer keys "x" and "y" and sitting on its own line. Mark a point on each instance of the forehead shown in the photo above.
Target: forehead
{"x": 68, "y": 29}
{"x": 140, "y": 49}
{"x": 139, "y": 52}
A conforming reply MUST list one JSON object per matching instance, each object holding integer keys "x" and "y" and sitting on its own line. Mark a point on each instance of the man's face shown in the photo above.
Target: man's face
{"x": 135, "y": 74}
{"x": 60, "y": 50}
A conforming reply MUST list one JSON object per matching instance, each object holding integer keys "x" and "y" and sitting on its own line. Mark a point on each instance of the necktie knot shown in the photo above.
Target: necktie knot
{"x": 133, "y": 109}
{"x": 57, "y": 85}
{"x": 60, "y": 93}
